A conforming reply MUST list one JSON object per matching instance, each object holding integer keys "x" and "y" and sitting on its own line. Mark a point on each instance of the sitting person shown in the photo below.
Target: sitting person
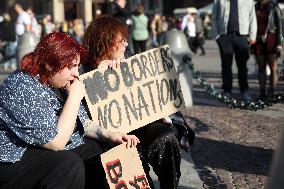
{"x": 46, "y": 139}
{"x": 106, "y": 40}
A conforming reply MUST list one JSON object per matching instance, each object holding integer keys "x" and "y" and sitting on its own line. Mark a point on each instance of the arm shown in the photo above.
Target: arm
{"x": 278, "y": 25}
{"x": 215, "y": 10}
{"x": 92, "y": 130}
{"x": 252, "y": 24}
{"x": 67, "y": 119}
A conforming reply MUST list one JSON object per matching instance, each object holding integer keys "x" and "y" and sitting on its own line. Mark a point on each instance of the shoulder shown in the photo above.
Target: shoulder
{"x": 21, "y": 84}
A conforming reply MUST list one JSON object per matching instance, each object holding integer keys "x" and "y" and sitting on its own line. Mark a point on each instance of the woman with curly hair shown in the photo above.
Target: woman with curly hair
{"x": 106, "y": 41}
{"x": 47, "y": 139}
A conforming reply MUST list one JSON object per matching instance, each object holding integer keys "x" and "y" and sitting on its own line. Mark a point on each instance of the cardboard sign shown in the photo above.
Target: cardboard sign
{"x": 143, "y": 89}
{"x": 123, "y": 168}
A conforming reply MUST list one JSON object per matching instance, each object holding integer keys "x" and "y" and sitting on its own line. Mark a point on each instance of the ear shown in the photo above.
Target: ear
{"x": 48, "y": 67}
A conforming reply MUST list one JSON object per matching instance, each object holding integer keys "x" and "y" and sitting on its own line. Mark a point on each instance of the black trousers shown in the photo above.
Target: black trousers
{"x": 139, "y": 46}
{"x": 229, "y": 44}
{"x": 44, "y": 169}
{"x": 160, "y": 148}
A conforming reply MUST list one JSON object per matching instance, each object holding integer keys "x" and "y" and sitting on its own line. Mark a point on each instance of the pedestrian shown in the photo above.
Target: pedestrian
{"x": 189, "y": 29}
{"x": 199, "y": 39}
{"x": 48, "y": 25}
{"x": 23, "y": 22}
{"x": 234, "y": 26}
{"x": 268, "y": 44}
{"x": 106, "y": 40}
{"x": 8, "y": 41}
{"x": 139, "y": 30}
{"x": 35, "y": 27}
{"x": 47, "y": 139}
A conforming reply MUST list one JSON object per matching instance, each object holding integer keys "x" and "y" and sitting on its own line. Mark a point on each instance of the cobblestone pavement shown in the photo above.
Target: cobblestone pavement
{"x": 233, "y": 147}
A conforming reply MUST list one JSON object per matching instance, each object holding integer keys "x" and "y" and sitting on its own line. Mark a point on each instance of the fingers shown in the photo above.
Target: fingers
{"x": 131, "y": 141}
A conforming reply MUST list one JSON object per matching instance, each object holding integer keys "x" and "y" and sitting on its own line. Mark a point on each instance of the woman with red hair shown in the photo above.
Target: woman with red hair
{"x": 46, "y": 138}
{"x": 106, "y": 41}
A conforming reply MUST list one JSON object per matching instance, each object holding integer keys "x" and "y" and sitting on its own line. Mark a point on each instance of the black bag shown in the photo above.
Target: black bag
{"x": 261, "y": 38}
{"x": 182, "y": 131}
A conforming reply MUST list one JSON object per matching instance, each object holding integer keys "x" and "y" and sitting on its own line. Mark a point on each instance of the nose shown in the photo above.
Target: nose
{"x": 75, "y": 72}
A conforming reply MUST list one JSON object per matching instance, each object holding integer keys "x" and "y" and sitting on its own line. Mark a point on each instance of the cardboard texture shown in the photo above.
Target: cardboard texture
{"x": 123, "y": 168}
{"x": 142, "y": 90}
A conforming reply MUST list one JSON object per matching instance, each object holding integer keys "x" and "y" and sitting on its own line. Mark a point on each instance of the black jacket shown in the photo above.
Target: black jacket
{"x": 274, "y": 22}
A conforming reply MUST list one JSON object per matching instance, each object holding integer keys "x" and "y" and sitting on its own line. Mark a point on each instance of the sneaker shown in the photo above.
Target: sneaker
{"x": 227, "y": 95}
{"x": 246, "y": 97}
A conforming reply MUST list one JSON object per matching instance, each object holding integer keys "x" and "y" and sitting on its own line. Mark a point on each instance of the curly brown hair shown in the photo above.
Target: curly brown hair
{"x": 101, "y": 37}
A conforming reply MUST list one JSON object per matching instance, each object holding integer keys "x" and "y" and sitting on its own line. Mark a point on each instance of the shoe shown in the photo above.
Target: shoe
{"x": 246, "y": 97}
{"x": 227, "y": 95}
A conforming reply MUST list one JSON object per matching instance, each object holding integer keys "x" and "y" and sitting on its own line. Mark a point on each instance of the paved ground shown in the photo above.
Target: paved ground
{"x": 233, "y": 148}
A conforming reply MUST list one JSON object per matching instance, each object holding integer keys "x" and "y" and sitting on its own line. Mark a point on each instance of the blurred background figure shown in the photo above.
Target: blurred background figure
{"x": 48, "y": 25}
{"x": 8, "y": 42}
{"x": 159, "y": 26}
{"x": 35, "y": 27}
{"x": 78, "y": 28}
{"x": 23, "y": 22}
{"x": 199, "y": 39}
{"x": 139, "y": 30}
{"x": 268, "y": 44}
{"x": 189, "y": 28}
{"x": 156, "y": 29}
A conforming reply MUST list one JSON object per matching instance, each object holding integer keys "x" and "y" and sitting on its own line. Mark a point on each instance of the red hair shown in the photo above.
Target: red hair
{"x": 101, "y": 37}
{"x": 52, "y": 54}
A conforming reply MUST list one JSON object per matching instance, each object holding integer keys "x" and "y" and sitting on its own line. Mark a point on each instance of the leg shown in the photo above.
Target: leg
{"x": 261, "y": 62}
{"x": 162, "y": 152}
{"x": 226, "y": 51}
{"x": 44, "y": 169}
{"x": 136, "y": 46}
{"x": 95, "y": 175}
{"x": 143, "y": 45}
{"x": 272, "y": 62}
{"x": 241, "y": 49}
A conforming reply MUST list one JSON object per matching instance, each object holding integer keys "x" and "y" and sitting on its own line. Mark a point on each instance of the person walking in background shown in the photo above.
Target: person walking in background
{"x": 48, "y": 26}
{"x": 139, "y": 30}
{"x": 8, "y": 41}
{"x": 36, "y": 28}
{"x": 78, "y": 29}
{"x": 156, "y": 29}
{"x": 199, "y": 39}
{"x": 189, "y": 28}
{"x": 234, "y": 26}
{"x": 23, "y": 22}
{"x": 268, "y": 44}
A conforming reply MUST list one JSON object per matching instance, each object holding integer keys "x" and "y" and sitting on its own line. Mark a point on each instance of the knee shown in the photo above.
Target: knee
{"x": 68, "y": 163}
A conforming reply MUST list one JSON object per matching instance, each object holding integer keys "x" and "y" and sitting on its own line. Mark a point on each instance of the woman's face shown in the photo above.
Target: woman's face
{"x": 64, "y": 77}
{"x": 120, "y": 48}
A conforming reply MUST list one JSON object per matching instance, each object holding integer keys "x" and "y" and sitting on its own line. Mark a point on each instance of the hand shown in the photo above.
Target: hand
{"x": 110, "y": 63}
{"x": 217, "y": 37}
{"x": 119, "y": 138}
{"x": 251, "y": 41}
{"x": 76, "y": 89}
{"x": 278, "y": 48}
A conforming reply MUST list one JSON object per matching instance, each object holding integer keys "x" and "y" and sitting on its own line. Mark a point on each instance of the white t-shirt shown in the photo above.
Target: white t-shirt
{"x": 22, "y": 20}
